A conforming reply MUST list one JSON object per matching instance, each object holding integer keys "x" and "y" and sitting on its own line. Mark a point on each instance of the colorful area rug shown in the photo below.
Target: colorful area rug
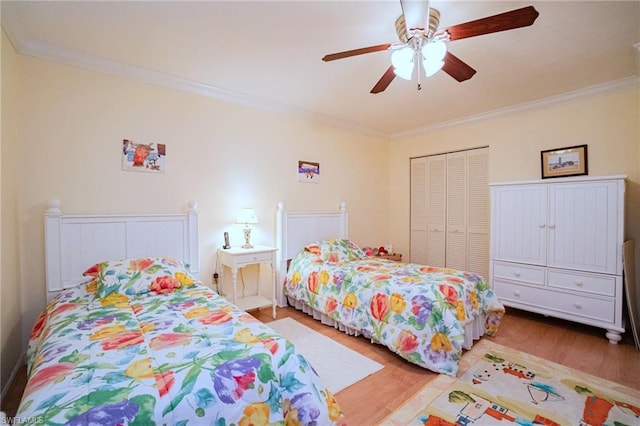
{"x": 502, "y": 386}
{"x": 337, "y": 365}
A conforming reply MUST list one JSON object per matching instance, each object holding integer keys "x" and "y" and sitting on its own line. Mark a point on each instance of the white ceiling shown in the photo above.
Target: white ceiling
{"x": 268, "y": 53}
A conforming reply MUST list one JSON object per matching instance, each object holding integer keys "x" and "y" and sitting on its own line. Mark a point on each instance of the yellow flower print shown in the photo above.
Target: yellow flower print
{"x": 411, "y": 279}
{"x": 255, "y": 414}
{"x": 184, "y": 278}
{"x": 246, "y": 336}
{"x": 140, "y": 369}
{"x": 115, "y": 299}
{"x": 196, "y": 312}
{"x": 460, "y": 311}
{"x": 334, "y": 408}
{"x": 350, "y": 300}
{"x": 397, "y": 303}
{"x": 106, "y": 332}
{"x": 473, "y": 297}
{"x": 440, "y": 342}
{"x": 147, "y": 327}
{"x": 296, "y": 278}
{"x": 324, "y": 277}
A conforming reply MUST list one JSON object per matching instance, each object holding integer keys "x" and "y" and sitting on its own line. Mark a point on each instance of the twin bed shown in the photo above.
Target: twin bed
{"x": 425, "y": 314}
{"x": 142, "y": 341}
{"x": 130, "y": 336}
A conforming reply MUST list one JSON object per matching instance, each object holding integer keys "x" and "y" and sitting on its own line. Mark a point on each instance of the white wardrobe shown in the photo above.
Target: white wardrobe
{"x": 450, "y": 211}
{"x": 556, "y": 248}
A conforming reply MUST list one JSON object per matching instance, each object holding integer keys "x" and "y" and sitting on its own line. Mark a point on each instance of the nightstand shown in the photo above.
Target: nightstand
{"x": 235, "y": 258}
{"x": 397, "y": 257}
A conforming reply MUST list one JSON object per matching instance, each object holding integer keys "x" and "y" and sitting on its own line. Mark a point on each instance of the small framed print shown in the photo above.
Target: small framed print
{"x": 561, "y": 162}
{"x": 143, "y": 157}
{"x": 308, "y": 172}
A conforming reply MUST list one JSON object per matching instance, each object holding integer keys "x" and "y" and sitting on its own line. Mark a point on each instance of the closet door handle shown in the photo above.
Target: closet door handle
{"x": 552, "y": 227}
{"x": 542, "y": 225}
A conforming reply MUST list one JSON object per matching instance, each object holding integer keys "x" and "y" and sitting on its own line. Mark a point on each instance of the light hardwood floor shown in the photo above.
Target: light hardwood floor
{"x": 370, "y": 400}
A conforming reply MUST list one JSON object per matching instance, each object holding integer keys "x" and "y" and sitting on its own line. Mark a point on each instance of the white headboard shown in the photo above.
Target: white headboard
{"x": 297, "y": 229}
{"x": 75, "y": 242}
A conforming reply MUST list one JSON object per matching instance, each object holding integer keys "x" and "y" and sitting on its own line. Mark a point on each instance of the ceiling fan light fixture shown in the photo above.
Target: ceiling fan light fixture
{"x": 433, "y": 53}
{"x": 402, "y": 61}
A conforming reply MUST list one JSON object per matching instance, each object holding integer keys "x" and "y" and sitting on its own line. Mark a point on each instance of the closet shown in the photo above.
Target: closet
{"x": 556, "y": 248}
{"x": 450, "y": 211}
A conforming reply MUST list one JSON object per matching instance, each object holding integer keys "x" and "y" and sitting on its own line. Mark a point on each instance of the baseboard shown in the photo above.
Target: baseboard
{"x": 12, "y": 376}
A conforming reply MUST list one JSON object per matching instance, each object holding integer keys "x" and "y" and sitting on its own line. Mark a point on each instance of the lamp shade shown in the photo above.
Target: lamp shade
{"x": 433, "y": 56}
{"x": 402, "y": 61}
{"x": 247, "y": 216}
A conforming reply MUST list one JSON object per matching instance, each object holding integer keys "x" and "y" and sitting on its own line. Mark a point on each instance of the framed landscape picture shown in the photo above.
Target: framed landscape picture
{"x": 561, "y": 162}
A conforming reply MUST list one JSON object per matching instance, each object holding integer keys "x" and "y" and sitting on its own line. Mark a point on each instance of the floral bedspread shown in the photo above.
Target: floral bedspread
{"x": 178, "y": 358}
{"x": 417, "y": 311}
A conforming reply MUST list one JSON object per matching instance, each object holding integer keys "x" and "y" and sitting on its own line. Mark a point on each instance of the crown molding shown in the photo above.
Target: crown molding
{"x": 627, "y": 83}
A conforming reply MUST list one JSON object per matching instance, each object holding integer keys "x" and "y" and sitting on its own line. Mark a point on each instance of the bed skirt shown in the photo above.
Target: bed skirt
{"x": 472, "y": 331}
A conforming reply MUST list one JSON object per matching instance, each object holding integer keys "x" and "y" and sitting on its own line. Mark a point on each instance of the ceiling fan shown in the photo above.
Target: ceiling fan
{"x": 422, "y": 43}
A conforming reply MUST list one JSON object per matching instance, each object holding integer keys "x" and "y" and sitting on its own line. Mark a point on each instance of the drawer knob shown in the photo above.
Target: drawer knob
{"x": 542, "y": 225}
{"x": 579, "y": 283}
{"x": 516, "y": 273}
{"x": 552, "y": 227}
{"x": 578, "y": 305}
{"x": 516, "y": 293}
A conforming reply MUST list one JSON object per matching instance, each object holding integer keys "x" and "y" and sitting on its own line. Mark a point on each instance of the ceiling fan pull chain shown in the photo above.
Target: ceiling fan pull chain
{"x": 417, "y": 56}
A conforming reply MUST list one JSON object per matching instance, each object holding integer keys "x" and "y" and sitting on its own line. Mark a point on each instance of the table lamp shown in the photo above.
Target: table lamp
{"x": 248, "y": 217}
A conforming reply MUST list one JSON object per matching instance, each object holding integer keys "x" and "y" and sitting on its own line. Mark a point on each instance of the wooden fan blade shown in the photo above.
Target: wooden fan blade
{"x": 456, "y": 68}
{"x": 384, "y": 81}
{"x": 492, "y": 24}
{"x": 355, "y": 52}
{"x": 416, "y": 14}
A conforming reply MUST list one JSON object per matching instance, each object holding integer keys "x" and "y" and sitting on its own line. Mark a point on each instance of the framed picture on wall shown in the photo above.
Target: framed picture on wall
{"x": 308, "y": 172}
{"x": 561, "y": 162}
{"x": 143, "y": 157}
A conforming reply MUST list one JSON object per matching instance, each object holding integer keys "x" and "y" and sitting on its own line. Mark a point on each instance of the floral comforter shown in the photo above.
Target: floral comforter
{"x": 417, "y": 311}
{"x": 177, "y": 358}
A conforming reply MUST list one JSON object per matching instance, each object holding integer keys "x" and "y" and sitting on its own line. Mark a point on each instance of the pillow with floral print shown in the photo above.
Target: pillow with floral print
{"x": 141, "y": 275}
{"x": 336, "y": 250}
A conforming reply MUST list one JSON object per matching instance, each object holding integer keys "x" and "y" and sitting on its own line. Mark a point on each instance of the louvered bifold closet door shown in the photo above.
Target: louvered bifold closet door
{"x": 456, "y": 239}
{"x": 419, "y": 210}
{"x": 436, "y": 210}
{"x": 478, "y": 212}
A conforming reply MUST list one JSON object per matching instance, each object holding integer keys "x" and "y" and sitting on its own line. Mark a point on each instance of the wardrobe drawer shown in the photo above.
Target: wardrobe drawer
{"x": 516, "y": 272}
{"x": 596, "y": 284}
{"x": 572, "y": 304}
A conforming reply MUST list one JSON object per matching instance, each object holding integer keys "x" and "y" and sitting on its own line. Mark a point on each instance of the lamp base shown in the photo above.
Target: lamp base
{"x": 247, "y": 237}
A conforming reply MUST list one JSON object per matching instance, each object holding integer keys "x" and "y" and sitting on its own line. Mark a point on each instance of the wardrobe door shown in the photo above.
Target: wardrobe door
{"x": 583, "y": 223}
{"x": 419, "y": 210}
{"x": 519, "y": 223}
{"x": 456, "y": 219}
{"x": 478, "y": 212}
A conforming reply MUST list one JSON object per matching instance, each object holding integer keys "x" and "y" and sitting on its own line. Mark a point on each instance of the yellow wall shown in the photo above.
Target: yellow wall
{"x": 607, "y": 124}
{"x": 11, "y": 322}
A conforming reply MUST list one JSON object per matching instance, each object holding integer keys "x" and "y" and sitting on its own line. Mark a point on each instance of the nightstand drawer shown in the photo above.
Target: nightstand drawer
{"x": 250, "y": 258}
{"x": 516, "y": 272}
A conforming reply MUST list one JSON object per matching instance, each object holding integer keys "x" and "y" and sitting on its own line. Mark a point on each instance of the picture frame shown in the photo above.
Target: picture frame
{"x": 143, "y": 157}
{"x": 562, "y": 162}
{"x": 308, "y": 171}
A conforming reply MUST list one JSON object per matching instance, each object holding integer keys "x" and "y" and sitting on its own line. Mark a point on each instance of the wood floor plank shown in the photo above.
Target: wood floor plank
{"x": 372, "y": 399}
